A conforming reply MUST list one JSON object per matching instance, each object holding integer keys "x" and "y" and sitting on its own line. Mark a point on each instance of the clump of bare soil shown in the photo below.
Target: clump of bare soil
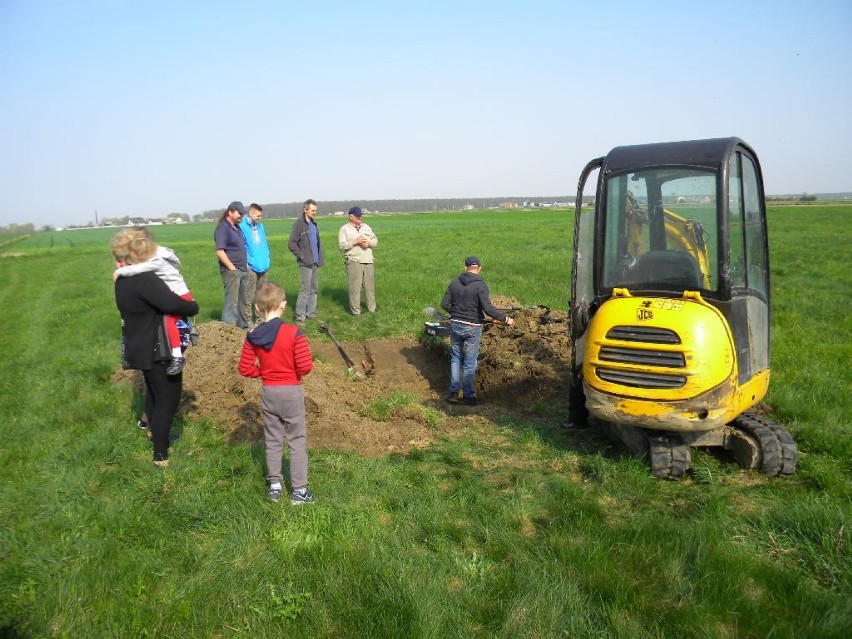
{"x": 521, "y": 369}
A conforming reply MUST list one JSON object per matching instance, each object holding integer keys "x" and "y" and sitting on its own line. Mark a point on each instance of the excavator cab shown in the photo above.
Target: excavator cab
{"x": 670, "y": 304}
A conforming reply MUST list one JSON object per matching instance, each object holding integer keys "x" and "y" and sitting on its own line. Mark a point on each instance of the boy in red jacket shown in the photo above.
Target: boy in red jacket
{"x": 279, "y": 354}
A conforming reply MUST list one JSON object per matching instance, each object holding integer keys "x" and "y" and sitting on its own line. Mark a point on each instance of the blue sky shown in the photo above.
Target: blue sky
{"x": 149, "y": 108}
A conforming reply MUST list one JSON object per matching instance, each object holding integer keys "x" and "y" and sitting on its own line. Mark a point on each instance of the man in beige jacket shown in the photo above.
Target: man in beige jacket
{"x": 357, "y": 241}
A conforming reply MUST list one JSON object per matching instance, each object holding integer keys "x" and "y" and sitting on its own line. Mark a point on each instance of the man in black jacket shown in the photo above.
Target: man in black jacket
{"x": 467, "y": 301}
{"x": 305, "y": 244}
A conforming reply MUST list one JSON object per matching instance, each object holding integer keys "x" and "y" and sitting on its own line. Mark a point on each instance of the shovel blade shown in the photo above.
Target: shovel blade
{"x": 438, "y": 315}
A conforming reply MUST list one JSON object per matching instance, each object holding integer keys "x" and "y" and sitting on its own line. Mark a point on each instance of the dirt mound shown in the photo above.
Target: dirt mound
{"x": 528, "y": 362}
{"x": 521, "y": 369}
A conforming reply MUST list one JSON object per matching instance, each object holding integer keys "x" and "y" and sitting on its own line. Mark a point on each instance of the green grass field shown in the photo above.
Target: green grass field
{"x": 514, "y": 529}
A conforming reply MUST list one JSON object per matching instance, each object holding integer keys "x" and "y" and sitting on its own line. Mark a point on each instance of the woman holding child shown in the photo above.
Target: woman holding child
{"x": 143, "y": 299}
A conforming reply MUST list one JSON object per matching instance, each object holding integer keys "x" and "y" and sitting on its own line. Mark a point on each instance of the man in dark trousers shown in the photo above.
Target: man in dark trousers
{"x": 231, "y": 251}
{"x": 467, "y": 301}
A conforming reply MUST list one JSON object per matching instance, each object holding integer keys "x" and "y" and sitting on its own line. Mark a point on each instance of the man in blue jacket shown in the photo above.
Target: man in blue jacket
{"x": 467, "y": 300}
{"x": 257, "y": 256}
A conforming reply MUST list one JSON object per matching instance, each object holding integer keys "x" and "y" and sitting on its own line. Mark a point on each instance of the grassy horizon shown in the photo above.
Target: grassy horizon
{"x": 513, "y": 528}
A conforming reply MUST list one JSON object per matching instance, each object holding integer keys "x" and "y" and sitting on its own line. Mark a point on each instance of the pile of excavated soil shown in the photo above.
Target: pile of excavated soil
{"x": 527, "y": 362}
{"x": 520, "y": 369}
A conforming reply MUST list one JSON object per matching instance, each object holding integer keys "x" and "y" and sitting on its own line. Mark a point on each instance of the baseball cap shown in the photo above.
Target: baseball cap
{"x": 237, "y": 206}
{"x": 472, "y": 261}
{"x": 356, "y": 211}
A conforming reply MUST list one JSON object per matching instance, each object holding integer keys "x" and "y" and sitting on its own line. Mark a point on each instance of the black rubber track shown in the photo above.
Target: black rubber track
{"x": 668, "y": 455}
{"x": 778, "y": 450}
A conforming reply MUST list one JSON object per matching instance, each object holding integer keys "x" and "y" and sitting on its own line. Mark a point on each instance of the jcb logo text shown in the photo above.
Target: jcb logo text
{"x": 643, "y": 314}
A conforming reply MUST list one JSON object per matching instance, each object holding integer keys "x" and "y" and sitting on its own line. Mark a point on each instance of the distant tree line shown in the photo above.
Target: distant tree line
{"x": 329, "y": 207}
{"x": 17, "y": 229}
{"x": 804, "y": 197}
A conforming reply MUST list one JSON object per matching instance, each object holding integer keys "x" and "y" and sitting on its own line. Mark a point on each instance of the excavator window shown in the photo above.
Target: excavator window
{"x": 736, "y": 226}
{"x": 747, "y": 243}
{"x": 660, "y": 231}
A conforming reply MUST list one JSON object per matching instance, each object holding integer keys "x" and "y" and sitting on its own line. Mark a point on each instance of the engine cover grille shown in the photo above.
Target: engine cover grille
{"x": 645, "y": 357}
{"x": 640, "y": 379}
{"x": 618, "y": 364}
{"x": 643, "y": 334}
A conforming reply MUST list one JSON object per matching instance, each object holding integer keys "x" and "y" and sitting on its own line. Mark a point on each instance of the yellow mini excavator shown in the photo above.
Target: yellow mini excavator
{"x": 670, "y": 305}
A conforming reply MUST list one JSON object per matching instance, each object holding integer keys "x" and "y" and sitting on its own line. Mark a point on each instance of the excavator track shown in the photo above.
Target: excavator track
{"x": 777, "y": 450}
{"x": 668, "y": 455}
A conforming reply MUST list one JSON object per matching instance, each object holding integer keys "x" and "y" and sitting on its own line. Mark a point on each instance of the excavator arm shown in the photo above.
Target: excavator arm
{"x": 682, "y": 234}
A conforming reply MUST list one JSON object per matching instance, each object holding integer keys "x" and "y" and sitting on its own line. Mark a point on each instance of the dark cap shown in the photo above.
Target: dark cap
{"x": 356, "y": 211}
{"x": 237, "y": 206}
{"x": 472, "y": 261}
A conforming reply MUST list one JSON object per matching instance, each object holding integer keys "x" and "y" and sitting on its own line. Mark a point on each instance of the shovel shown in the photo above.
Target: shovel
{"x": 438, "y": 315}
{"x": 350, "y": 365}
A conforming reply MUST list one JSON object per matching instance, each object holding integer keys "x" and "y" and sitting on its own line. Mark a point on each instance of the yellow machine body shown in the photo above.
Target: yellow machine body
{"x": 670, "y": 302}
{"x": 665, "y": 364}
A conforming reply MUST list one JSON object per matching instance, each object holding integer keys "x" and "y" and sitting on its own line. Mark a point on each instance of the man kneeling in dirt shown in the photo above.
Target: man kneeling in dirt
{"x": 467, "y": 300}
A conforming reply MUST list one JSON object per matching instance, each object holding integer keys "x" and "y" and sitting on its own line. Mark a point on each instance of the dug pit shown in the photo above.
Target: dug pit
{"x": 523, "y": 372}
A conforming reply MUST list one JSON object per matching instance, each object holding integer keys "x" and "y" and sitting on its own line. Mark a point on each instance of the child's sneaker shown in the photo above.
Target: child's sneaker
{"x": 274, "y": 492}
{"x": 176, "y": 366}
{"x": 142, "y": 424}
{"x": 302, "y": 496}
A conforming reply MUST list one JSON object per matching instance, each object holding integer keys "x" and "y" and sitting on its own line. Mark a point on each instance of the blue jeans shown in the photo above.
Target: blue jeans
{"x": 464, "y": 351}
{"x": 234, "y": 283}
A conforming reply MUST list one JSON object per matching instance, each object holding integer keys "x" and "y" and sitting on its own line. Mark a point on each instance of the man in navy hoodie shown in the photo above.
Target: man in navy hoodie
{"x": 467, "y": 301}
